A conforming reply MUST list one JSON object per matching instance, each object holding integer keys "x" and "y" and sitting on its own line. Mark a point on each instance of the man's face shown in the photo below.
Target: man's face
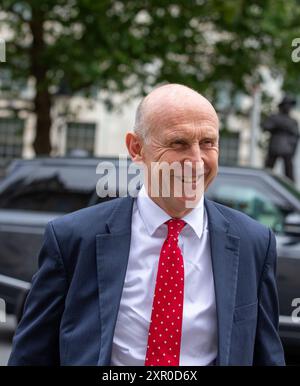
{"x": 184, "y": 136}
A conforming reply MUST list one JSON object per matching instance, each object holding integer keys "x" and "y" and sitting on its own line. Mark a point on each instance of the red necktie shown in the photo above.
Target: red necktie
{"x": 164, "y": 336}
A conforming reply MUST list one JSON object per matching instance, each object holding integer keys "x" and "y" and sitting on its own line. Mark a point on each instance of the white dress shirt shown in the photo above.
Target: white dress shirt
{"x": 199, "y": 325}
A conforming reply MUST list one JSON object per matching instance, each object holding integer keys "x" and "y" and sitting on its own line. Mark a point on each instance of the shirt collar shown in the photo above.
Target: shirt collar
{"x": 154, "y": 216}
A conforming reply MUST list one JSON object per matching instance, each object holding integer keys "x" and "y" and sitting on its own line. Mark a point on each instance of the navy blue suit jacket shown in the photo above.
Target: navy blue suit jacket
{"x": 71, "y": 311}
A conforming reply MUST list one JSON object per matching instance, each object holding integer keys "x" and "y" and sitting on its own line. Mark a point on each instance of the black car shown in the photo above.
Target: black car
{"x": 32, "y": 193}
{"x": 273, "y": 201}
{"x": 36, "y": 191}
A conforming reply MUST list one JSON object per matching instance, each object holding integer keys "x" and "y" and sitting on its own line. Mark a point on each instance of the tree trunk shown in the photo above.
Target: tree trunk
{"x": 42, "y": 103}
{"x": 42, "y": 100}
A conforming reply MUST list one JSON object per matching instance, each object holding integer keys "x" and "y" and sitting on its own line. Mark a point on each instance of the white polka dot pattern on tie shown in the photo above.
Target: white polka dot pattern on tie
{"x": 165, "y": 328}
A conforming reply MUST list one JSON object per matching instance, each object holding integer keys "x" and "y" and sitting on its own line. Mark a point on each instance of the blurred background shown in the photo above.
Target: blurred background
{"x": 71, "y": 75}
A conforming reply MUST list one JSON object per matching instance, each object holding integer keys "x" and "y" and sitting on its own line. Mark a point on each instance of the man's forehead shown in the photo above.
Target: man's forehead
{"x": 184, "y": 123}
{"x": 190, "y": 130}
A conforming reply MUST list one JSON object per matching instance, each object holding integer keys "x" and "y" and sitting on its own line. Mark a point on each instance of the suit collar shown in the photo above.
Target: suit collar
{"x": 225, "y": 259}
{"x": 120, "y": 219}
{"x": 112, "y": 250}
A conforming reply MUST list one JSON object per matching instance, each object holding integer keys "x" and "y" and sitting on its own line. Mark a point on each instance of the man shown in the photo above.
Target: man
{"x": 155, "y": 280}
{"x": 284, "y": 136}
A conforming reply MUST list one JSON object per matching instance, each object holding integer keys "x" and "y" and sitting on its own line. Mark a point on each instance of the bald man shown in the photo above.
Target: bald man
{"x": 164, "y": 279}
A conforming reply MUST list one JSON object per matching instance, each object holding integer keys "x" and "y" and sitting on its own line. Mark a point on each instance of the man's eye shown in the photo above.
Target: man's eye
{"x": 207, "y": 143}
{"x": 178, "y": 142}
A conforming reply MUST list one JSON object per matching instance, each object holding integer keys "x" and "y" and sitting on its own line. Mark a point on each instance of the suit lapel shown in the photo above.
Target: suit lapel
{"x": 225, "y": 260}
{"x": 112, "y": 250}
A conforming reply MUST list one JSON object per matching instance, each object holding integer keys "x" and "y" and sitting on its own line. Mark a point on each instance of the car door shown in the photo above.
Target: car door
{"x": 26, "y": 206}
{"x": 260, "y": 200}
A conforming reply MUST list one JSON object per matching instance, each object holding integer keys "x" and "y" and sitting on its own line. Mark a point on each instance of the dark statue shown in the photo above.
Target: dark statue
{"x": 284, "y": 136}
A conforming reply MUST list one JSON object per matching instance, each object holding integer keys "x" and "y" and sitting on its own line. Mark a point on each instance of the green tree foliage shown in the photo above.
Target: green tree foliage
{"x": 129, "y": 46}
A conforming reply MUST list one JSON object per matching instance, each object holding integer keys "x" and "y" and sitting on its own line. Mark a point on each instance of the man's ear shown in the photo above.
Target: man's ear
{"x": 135, "y": 147}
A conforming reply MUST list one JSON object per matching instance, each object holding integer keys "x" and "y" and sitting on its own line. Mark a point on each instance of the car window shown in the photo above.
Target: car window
{"x": 250, "y": 197}
{"x": 288, "y": 185}
{"x": 48, "y": 201}
{"x": 47, "y": 195}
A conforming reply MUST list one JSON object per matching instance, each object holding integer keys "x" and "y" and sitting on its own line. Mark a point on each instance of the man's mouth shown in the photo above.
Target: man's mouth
{"x": 189, "y": 180}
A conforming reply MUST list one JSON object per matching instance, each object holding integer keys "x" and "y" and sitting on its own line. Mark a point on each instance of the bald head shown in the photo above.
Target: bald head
{"x": 166, "y": 103}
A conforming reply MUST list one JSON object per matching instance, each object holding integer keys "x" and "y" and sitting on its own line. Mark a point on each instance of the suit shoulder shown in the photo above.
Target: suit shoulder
{"x": 90, "y": 218}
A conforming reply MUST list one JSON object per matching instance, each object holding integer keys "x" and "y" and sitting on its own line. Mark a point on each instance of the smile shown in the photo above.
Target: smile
{"x": 189, "y": 180}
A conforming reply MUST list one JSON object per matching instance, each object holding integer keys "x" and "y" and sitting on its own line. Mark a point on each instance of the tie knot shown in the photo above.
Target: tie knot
{"x": 175, "y": 226}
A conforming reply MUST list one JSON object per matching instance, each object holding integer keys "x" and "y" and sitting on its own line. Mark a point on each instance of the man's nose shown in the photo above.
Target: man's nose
{"x": 193, "y": 160}
{"x": 194, "y": 154}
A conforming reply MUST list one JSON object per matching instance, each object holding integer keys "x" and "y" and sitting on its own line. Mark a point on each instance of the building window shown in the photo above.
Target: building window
{"x": 229, "y": 148}
{"x": 11, "y": 137}
{"x": 80, "y": 136}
